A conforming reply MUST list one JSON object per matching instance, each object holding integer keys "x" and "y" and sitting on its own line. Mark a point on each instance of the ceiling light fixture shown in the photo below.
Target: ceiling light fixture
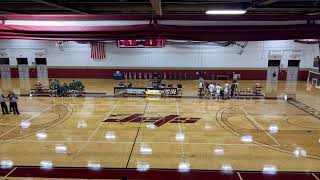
{"x": 225, "y": 12}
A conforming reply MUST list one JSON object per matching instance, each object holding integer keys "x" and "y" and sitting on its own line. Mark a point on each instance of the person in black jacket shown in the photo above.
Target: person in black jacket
{"x": 179, "y": 89}
{"x": 10, "y": 105}
{"x": 234, "y": 87}
{"x": 13, "y": 103}
{"x": 4, "y": 106}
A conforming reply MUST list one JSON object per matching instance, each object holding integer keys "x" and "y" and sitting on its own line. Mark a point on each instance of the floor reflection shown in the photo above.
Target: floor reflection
{"x": 6, "y": 84}
{"x": 25, "y": 86}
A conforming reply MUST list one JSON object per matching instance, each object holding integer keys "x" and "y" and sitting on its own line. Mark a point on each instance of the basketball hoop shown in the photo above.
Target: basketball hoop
{"x": 61, "y": 45}
{"x": 313, "y": 80}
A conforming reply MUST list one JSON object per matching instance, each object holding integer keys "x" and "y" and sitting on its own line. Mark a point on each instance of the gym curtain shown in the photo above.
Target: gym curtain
{"x": 161, "y": 31}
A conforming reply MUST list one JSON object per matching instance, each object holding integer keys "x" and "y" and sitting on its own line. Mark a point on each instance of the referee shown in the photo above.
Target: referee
{"x": 4, "y": 106}
{"x": 13, "y": 103}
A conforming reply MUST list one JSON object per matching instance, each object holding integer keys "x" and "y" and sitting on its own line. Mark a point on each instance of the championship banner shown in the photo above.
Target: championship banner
{"x": 150, "y": 43}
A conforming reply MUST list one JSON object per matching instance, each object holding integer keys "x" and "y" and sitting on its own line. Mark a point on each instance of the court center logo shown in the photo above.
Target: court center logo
{"x": 157, "y": 121}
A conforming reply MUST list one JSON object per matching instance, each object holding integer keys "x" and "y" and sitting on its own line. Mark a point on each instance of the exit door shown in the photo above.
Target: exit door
{"x": 272, "y": 78}
{"x": 23, "y": 68}
{"x": 5, "y": 68}
{"x": 42, "y": 69}
{"x": 5, "y": 71}
{"x": 293, "y": 70}
{"x": 292, "y": 78}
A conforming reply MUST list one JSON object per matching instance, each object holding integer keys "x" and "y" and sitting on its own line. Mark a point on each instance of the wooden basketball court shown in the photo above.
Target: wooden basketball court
{"x": 165, "y": 133}
{"x": 160, "y": 89}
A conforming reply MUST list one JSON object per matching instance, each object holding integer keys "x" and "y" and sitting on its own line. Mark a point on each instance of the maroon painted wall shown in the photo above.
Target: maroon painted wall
{"x": 107, "y": 73}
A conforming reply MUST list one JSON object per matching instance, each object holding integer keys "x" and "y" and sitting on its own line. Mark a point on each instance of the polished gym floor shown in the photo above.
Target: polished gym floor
{"x": 167, "y": 133}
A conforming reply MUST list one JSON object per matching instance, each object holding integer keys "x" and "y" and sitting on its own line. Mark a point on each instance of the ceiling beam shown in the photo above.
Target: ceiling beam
{"x": 8, "y": 11}
{"x": 314, "y": 13}
{"x": 60, "y": 6}
{"x": 156, "y": 5}
{"x": 286, "y": 9}
{"x": 266, "y": 2}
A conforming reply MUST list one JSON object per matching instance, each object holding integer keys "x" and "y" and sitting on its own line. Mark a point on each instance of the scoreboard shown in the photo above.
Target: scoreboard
{"x": 150, "y": 43}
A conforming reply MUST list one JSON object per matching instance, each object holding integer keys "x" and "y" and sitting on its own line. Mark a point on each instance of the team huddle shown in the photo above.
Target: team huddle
{"x": 213, "y": 89}
{"x": 74, "y": 88}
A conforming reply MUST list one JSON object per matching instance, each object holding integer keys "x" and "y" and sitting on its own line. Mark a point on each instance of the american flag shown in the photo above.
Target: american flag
{"x": 98, "y": 50}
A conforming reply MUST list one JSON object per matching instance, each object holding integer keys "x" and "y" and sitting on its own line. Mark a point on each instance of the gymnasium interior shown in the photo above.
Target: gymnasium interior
{"x": 160, "y": 89}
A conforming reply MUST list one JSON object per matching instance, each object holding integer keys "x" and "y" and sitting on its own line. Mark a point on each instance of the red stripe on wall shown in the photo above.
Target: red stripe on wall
{"x": 107, "y": 73}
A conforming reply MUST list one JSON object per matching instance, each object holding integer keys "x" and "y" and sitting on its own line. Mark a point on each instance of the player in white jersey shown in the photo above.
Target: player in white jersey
{"x": 200, "y": 88}
{"x": 218, "y": 89}
{"x": 211, "y": 88}
{"x": 226, "y": 91}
